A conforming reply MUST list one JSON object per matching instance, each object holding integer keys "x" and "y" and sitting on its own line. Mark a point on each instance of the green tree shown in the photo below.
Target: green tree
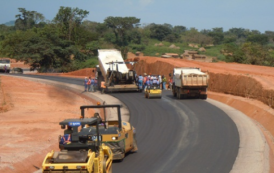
{"x": 238, "y": 32}
{"x": 134, "y": 36}
{"x": 68, "y": 19}
{"x": 194, "y": 36}
{"x": 179, "y": 29}
{"x": 159, "y": 32}
{"x": 43, "y": 47}
{"x": 28, "y": 19}
{"x": 258, "y": 38}
{"x": 120, "y": 26}
{"x": 217, "y": 34}
{"x": 255, "y": 53}
{"x": 233, "y": 53}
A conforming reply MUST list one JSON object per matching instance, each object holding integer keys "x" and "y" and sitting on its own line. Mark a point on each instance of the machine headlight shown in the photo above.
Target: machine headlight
{"x": 50, "y": 167}
{"x": 80, "y": 167}
{"x": 114, "y": 138}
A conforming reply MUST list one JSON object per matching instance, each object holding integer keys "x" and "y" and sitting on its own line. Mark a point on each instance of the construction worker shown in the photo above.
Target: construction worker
{"x": 92, "y": 85}
{"x": 89, "y": 83}
{"x": 164, "y": 82}
{"x": 170, "y": 83}
{"x": 103, "y": 87}
{"x": 66, "y": 139}
{"x": 154, "y": 80}
{"x": 144, "y": 81}
{"x": 95, "y": 84}
{"x": 160, "y": 81}
{"x": 148, "y": 83}
{"x": 140, "y": 82}
{"x": 86, "y": 83}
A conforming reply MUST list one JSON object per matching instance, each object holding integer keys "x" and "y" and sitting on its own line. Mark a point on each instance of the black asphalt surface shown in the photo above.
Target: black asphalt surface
{"x": 184, "y": 136}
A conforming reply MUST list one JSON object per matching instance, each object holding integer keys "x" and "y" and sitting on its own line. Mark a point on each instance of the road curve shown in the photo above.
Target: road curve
{"x": 190, "y": 136}
{"x": 179, "y": 136}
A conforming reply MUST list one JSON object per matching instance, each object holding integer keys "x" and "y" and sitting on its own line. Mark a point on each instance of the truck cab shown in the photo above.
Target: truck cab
{"x": 5, "y": 65}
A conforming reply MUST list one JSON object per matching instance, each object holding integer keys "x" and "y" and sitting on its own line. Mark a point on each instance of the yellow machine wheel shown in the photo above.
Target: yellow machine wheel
{"x": 110, "y": 169}
{"x": 104, "y": 166}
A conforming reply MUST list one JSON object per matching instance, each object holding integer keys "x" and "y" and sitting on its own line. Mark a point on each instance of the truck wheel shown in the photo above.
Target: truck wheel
{"x": 204, "y": 97}
{"x": 179, "y": 93}
{"x": 110, "y": 169}
{"x": 104, "y": 166}
{"x": 174, "y": 93}
{"x": 183, "y": 96}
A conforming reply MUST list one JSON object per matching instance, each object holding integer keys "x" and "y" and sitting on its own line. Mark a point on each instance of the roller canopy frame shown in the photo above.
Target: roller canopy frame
{"x": 104, "y": 106}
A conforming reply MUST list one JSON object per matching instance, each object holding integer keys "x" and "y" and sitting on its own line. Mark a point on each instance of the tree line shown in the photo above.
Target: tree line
{"x": 68, "y": 42}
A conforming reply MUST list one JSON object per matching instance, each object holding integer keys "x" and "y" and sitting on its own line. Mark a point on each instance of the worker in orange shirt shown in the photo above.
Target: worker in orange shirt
{"x": 103, "y": 87}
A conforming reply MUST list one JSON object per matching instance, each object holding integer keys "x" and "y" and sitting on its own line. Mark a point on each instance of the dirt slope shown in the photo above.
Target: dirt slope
{"x": 29, "y": 117}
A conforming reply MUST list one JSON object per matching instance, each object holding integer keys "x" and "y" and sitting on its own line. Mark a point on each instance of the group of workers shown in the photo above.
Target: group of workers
{"x": 90, "y": 84}
{"x": 149, "y": 80}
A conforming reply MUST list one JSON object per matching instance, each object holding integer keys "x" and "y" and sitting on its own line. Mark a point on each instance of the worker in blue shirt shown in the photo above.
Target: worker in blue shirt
{"x": 140, "y": 82}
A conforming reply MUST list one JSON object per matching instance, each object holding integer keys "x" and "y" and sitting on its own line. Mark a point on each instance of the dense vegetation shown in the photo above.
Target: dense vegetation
{"x": 68, "y": 42}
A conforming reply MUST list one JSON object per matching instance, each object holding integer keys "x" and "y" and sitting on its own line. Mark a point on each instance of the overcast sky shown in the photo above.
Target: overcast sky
{"x": 200, "y": 14}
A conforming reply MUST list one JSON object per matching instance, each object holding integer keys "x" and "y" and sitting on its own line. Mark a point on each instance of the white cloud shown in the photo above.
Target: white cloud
{"x": 145, "y": 2}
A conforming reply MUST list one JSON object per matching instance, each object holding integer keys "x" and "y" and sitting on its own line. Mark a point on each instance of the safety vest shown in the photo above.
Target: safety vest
{"x": 103, "y": 84}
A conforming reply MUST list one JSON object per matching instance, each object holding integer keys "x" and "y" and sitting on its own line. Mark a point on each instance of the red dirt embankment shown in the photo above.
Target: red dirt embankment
{"x": 30, "y": 113}
{"x": 87, "y": 72}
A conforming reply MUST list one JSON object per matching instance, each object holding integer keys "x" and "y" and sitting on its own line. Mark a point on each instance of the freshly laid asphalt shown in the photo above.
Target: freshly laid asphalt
{"x": 190, "y": 136}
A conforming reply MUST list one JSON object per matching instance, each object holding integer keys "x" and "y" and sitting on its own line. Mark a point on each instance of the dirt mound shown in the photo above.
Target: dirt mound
{"x": 88, "y": 72}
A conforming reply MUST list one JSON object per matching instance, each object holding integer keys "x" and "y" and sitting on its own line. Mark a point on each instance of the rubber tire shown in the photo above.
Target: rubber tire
{"x": 174, "y": 93}
{"x": 104, "y": 166}
{"x": 179, "y": 93}
{"x": 120, "y": 160}
{"x": 204, "y": 97}
{"x": 110, "y": 169}
{"x": 135, "y": 145}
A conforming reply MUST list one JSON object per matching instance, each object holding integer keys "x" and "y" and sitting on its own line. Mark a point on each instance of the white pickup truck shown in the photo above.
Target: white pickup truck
{"x": 189, "y": 82}
{"x": 5, "y": 65}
